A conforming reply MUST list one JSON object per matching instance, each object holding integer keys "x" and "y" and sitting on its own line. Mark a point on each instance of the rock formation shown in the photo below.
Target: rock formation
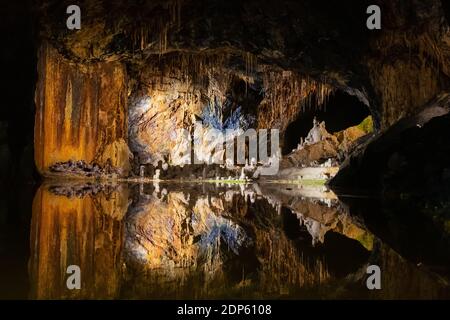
{"x": 81, "y": 113}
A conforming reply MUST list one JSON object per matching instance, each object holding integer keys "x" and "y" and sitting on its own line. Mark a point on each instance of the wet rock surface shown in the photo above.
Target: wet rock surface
{"x": 327, "y": 149}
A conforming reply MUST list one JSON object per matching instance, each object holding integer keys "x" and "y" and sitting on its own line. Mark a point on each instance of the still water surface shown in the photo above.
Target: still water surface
{"x": 206, "y": 241}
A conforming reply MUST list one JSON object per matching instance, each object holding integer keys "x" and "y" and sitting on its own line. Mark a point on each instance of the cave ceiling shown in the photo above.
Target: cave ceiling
{"x": 322, "y": 39}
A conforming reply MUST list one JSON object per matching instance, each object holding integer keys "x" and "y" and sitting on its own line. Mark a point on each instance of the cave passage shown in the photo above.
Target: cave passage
{"x": 340, "y": 112}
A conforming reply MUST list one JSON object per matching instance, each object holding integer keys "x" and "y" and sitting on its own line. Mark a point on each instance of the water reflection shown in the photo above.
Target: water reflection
{"x": 77, "y": 225}
{"x": 209, "y": 241}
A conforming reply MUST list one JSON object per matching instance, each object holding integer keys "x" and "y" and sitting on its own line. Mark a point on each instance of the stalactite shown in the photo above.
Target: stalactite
{"x": 250, "y": 64}
{"x": 194, "y": 70}
{"x": 394, "y": 80}
{"x": 286, "y": 94}
{"x": 153, "y": 33}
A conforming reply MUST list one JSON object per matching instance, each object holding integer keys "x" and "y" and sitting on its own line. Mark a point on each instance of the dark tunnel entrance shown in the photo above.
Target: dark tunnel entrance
{"x": 340, "y": 112}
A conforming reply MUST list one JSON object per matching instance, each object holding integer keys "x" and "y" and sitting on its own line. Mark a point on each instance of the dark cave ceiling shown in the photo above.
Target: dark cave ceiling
{"x": 326, "y": 40}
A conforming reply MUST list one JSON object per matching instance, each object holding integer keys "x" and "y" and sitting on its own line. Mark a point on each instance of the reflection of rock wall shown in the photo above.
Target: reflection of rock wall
{"x": 84, "y": 231}
{"x": 80, "y": 112}
{"x": 283, "y": 269}
{"x": 191, "y": 246}
{"x": 179, "y": 244}
{"x": 398, "y": 273}
{"x": 320, "y": 212}
{"x": 158, "y": 234}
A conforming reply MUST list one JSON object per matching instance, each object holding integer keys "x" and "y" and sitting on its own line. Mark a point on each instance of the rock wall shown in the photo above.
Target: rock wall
{"x": 171, "y": 93}
{"x": 177, "y": 90}
{"x": 81, "y": 112}
{"x": 408, "y": 61}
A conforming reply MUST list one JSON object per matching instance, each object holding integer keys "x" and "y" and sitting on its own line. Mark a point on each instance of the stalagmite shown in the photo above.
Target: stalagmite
{"x": 156, "y": 175}
{"x": 229, "y": 163}
{"x": 243, "y": 176}
{"x": 253, "y": 163}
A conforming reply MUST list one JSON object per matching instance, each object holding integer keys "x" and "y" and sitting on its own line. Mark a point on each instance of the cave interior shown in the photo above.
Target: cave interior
{"x": 364, "y": 112}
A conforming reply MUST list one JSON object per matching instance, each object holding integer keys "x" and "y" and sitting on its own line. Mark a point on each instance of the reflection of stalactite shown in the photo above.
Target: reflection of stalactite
{"x": 283, "y": 267}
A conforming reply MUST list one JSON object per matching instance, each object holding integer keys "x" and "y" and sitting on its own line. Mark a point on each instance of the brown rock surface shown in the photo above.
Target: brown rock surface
{"x": 81, "y": 112}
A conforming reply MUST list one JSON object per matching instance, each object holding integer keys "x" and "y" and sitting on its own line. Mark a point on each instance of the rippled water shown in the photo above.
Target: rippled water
{"x": 148, "y": 241}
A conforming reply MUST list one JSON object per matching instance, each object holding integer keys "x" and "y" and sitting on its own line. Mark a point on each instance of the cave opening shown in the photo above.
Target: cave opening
{"x": 340, "y": 112}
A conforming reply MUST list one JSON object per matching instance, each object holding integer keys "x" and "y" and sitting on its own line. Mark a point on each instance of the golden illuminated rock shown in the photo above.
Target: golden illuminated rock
{"x": 81, "y": 112}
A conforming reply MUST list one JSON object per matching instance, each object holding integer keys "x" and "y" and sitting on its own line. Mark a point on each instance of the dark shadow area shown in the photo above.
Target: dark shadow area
{"x": 15, "y": 219}
{"x": 413, "y": 233}
{"x": 344, "y": 255}
{"x": 18, "y": 61}
{"x": 18, "y": 175}
{"x": 241, "y": 94}
{"x": 446, "y": 7}
{"x": 408, "y": 161}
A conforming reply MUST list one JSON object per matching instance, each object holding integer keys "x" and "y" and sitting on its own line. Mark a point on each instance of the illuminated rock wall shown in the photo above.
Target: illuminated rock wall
{"x": 174, "y": 92}
{"x": 178, "y": 90}
{"x": 81, "y": 112}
